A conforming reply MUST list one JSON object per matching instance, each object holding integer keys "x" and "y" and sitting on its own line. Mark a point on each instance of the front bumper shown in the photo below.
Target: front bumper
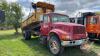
{"x": 74, "y": 42}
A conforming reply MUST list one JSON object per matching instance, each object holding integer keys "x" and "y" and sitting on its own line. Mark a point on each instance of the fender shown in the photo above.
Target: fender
{"x": 59, "y": 33}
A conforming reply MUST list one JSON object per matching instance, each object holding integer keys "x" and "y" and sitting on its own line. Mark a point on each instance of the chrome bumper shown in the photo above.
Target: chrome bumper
{"x": 74, "y": 42}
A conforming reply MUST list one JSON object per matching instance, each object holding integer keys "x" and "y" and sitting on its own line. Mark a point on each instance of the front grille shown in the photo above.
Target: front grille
{"x": 78, "y": 29}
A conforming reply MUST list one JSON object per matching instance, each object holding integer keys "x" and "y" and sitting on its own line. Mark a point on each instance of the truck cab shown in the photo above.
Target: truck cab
{"x": 93, "y": 27}
{"x": 58, "y": 31}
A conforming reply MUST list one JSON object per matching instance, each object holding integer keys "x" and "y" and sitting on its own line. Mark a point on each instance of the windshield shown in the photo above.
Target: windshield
{"x": 60, "y": 18}
{"x": 93, "y": 20}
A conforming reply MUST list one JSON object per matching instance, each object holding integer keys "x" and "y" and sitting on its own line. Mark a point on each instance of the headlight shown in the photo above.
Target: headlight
{"x": 66, "y": 37}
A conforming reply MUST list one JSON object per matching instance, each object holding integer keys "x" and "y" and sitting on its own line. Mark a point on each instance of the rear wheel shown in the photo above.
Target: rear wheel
{"x": 54, "y": 45}
{"x": 27, "y": 35}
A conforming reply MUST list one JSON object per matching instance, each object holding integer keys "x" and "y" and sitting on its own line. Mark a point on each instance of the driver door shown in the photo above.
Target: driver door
{"x": 45, "y": 26}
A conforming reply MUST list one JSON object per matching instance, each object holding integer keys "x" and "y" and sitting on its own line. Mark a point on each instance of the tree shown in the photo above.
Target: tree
{"x": 16, "y": 14}
{"x": 13, "y": 14}
{"x": 5, "y": 7}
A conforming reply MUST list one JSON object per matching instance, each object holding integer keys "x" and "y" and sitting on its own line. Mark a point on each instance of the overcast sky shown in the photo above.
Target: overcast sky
{"x": 62, "y": 6}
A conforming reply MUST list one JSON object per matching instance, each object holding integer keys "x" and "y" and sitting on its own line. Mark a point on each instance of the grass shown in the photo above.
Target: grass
{"x": 14, "y": 45}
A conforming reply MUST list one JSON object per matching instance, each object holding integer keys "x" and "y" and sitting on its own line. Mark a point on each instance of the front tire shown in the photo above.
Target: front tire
{"x": 54, "y": 45}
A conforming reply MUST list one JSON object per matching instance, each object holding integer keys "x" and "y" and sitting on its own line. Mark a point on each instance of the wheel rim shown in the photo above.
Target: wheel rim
{"x": 54, "y": 46}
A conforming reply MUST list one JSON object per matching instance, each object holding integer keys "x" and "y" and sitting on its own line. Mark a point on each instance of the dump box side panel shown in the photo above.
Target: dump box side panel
{"x": 41, "y": 8}
{"x": 32, "y": 18}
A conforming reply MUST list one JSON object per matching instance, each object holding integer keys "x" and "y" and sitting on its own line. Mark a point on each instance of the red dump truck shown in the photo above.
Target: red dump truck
{"x": 55, "y": 30}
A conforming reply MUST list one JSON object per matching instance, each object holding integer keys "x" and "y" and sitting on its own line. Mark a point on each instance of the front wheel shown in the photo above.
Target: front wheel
{"x": 54, "y": 45}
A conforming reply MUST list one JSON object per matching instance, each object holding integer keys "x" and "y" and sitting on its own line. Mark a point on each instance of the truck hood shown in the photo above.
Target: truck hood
{"x": 76, "y": 30}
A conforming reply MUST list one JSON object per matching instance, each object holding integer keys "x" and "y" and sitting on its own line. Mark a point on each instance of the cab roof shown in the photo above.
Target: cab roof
{"x": 55, "y": 14}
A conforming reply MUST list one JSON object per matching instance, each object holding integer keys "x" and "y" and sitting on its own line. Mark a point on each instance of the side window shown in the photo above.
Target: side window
{"x": 46, "y": 19}
{"x": 54, "y": 19}
{"x": 93, "y": 20}
{"x": 41, "y": 17}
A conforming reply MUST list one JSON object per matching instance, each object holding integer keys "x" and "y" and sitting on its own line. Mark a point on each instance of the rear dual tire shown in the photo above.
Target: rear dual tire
{"x": 27, "y": 35}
